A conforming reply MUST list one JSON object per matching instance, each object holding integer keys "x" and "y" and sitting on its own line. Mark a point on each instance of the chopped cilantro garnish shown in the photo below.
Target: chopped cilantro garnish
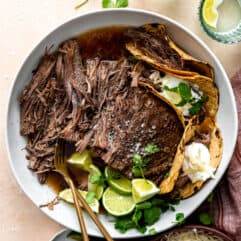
{"x": 180, "y": 218}
{"x": 151, "y": 215}
{"x": 145, "y": 213}
{"x": 97, "y": 178}
{"x": 205, "y": 218}
{"x": 196, "y": 107}
{"x": 139, "y": 165}
{"x": 137, "y": 216}
{"x": 90, "y": 196}
{"x": 152, "y": 231}
{"x": 124, "y": 224}
{"x": 114, "y": 4}
{"x": 143, "y": 205}
{"x": 139, "y": 162}
{"x": 184, "y": 90}
{"x": 151, "y": 149}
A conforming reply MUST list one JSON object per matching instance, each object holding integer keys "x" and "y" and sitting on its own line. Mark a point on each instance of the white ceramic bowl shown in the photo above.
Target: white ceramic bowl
{"x": 39, "y": 194}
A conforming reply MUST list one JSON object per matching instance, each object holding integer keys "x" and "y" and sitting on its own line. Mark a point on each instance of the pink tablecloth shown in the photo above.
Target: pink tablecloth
{"x": 227, "y": 202}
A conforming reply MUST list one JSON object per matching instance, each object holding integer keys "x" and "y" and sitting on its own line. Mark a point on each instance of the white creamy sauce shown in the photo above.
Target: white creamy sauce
{"x": 196, "y": 164}
{"x": 175, "y": 98}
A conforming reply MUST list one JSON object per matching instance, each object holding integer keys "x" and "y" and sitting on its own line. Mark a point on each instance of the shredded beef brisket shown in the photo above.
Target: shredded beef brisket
{"x": 94, "y": 104}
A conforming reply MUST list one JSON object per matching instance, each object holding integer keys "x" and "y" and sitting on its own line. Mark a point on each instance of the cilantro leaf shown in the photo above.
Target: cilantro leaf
{"x": 137, "y": 160}
{"x": 174, "y": 201}
{"x": 97, "y": 178}
{"x": 139, "y": 165}
{"x": 124, "y": 224}
{"x": 136, "y": 171}
{"x": 152, "y": 231}
{"x": 121, "y": 3}
{"x": 90, "y": 196}
{"x": 179, "y": 218}
{"x": 151, "y": 215}
{"x": 196, "y": 107}
{"x": 151, "y": 149}
{"x": 205, "y": 218}
{"x": 137, "y": 216}
{"x": 114, "y": 4}
{"x": 143, "y": 205}
{"x": 108, "y": 4}
{"x": 185, "y": 92}
{"x": 141, "y": 229}
{"x": 160, "y": 203}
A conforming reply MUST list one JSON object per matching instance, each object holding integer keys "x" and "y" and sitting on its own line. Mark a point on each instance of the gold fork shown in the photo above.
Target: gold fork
{"x": 61, "y": 167}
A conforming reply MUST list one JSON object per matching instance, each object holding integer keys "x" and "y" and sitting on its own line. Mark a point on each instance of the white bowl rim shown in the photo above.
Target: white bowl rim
{"x": 131, "y": 10}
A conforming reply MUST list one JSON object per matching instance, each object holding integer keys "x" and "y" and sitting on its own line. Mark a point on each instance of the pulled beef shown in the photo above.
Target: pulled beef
{"x": 155, "y": 44}
{"x": 93, "y": 104}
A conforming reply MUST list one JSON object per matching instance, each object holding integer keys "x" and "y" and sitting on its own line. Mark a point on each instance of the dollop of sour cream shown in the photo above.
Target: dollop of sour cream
{"x": 175, "y": 98}
{"x": 196, "y": 164}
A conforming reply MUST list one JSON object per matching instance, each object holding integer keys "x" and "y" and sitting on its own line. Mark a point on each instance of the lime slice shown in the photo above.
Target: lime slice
{"x": 210, "y": 13}
{"x": 98, "y": 189}
{"x": 67, "y": 196}
{"x": 143, "y": 189}
{"x": 118, "y": 182}
{"x": 116, "y": 204}
{"x": 81, "y": 160}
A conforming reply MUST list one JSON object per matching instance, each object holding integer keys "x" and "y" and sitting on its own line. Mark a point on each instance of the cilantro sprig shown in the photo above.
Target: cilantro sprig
{"x": 114, "y": 3}
{"x": 185, "y": 92}
{"x": 205, "y": 218}
{"x": 145, "y": 214}
{"x": 139, "y": 163}
{"x": 97, "y": 178}
{"x": 180, "y": 218}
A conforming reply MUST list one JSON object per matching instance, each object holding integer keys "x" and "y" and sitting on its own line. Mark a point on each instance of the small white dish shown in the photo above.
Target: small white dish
{"x": 39, "y": 194}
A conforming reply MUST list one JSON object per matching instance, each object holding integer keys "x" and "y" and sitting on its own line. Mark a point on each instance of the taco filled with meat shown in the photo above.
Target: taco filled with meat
{"x": 199, "y": 154}
{"x": 189, "y": 90}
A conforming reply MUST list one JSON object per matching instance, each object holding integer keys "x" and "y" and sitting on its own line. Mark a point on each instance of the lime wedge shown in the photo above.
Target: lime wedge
{"x": 98, "y": 189}
{"x": 118, "y": 182}
{"x": 116, "y": 204}
{"x": 67, "y": 196}
{"x": 210, "y": 13}
{"x": 81, "y": 160}
{"x": 143, "y": 189}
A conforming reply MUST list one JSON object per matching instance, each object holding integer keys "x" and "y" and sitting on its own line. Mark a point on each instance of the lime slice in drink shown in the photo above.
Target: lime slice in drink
{"x": 97, "y": 188}
{"x": 143, "y": 189}
{"x": 81, "y": 160}
{"x": 116, "y": 204}
{"x": 210, "y": 13}
{"x": 67, "y": 196}
{"x": 118, "y": 182}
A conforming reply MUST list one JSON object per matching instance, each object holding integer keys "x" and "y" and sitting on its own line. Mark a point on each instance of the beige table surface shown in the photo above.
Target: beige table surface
{"x": 23, "y": 23}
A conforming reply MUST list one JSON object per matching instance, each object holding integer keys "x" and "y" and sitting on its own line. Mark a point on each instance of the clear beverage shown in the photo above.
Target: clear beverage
{"x": 229, "y": 15}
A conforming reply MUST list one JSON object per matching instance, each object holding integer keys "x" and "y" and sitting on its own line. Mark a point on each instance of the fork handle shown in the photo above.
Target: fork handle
{"x": 94, "y": 217}
{"x": 79, "y": 211}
